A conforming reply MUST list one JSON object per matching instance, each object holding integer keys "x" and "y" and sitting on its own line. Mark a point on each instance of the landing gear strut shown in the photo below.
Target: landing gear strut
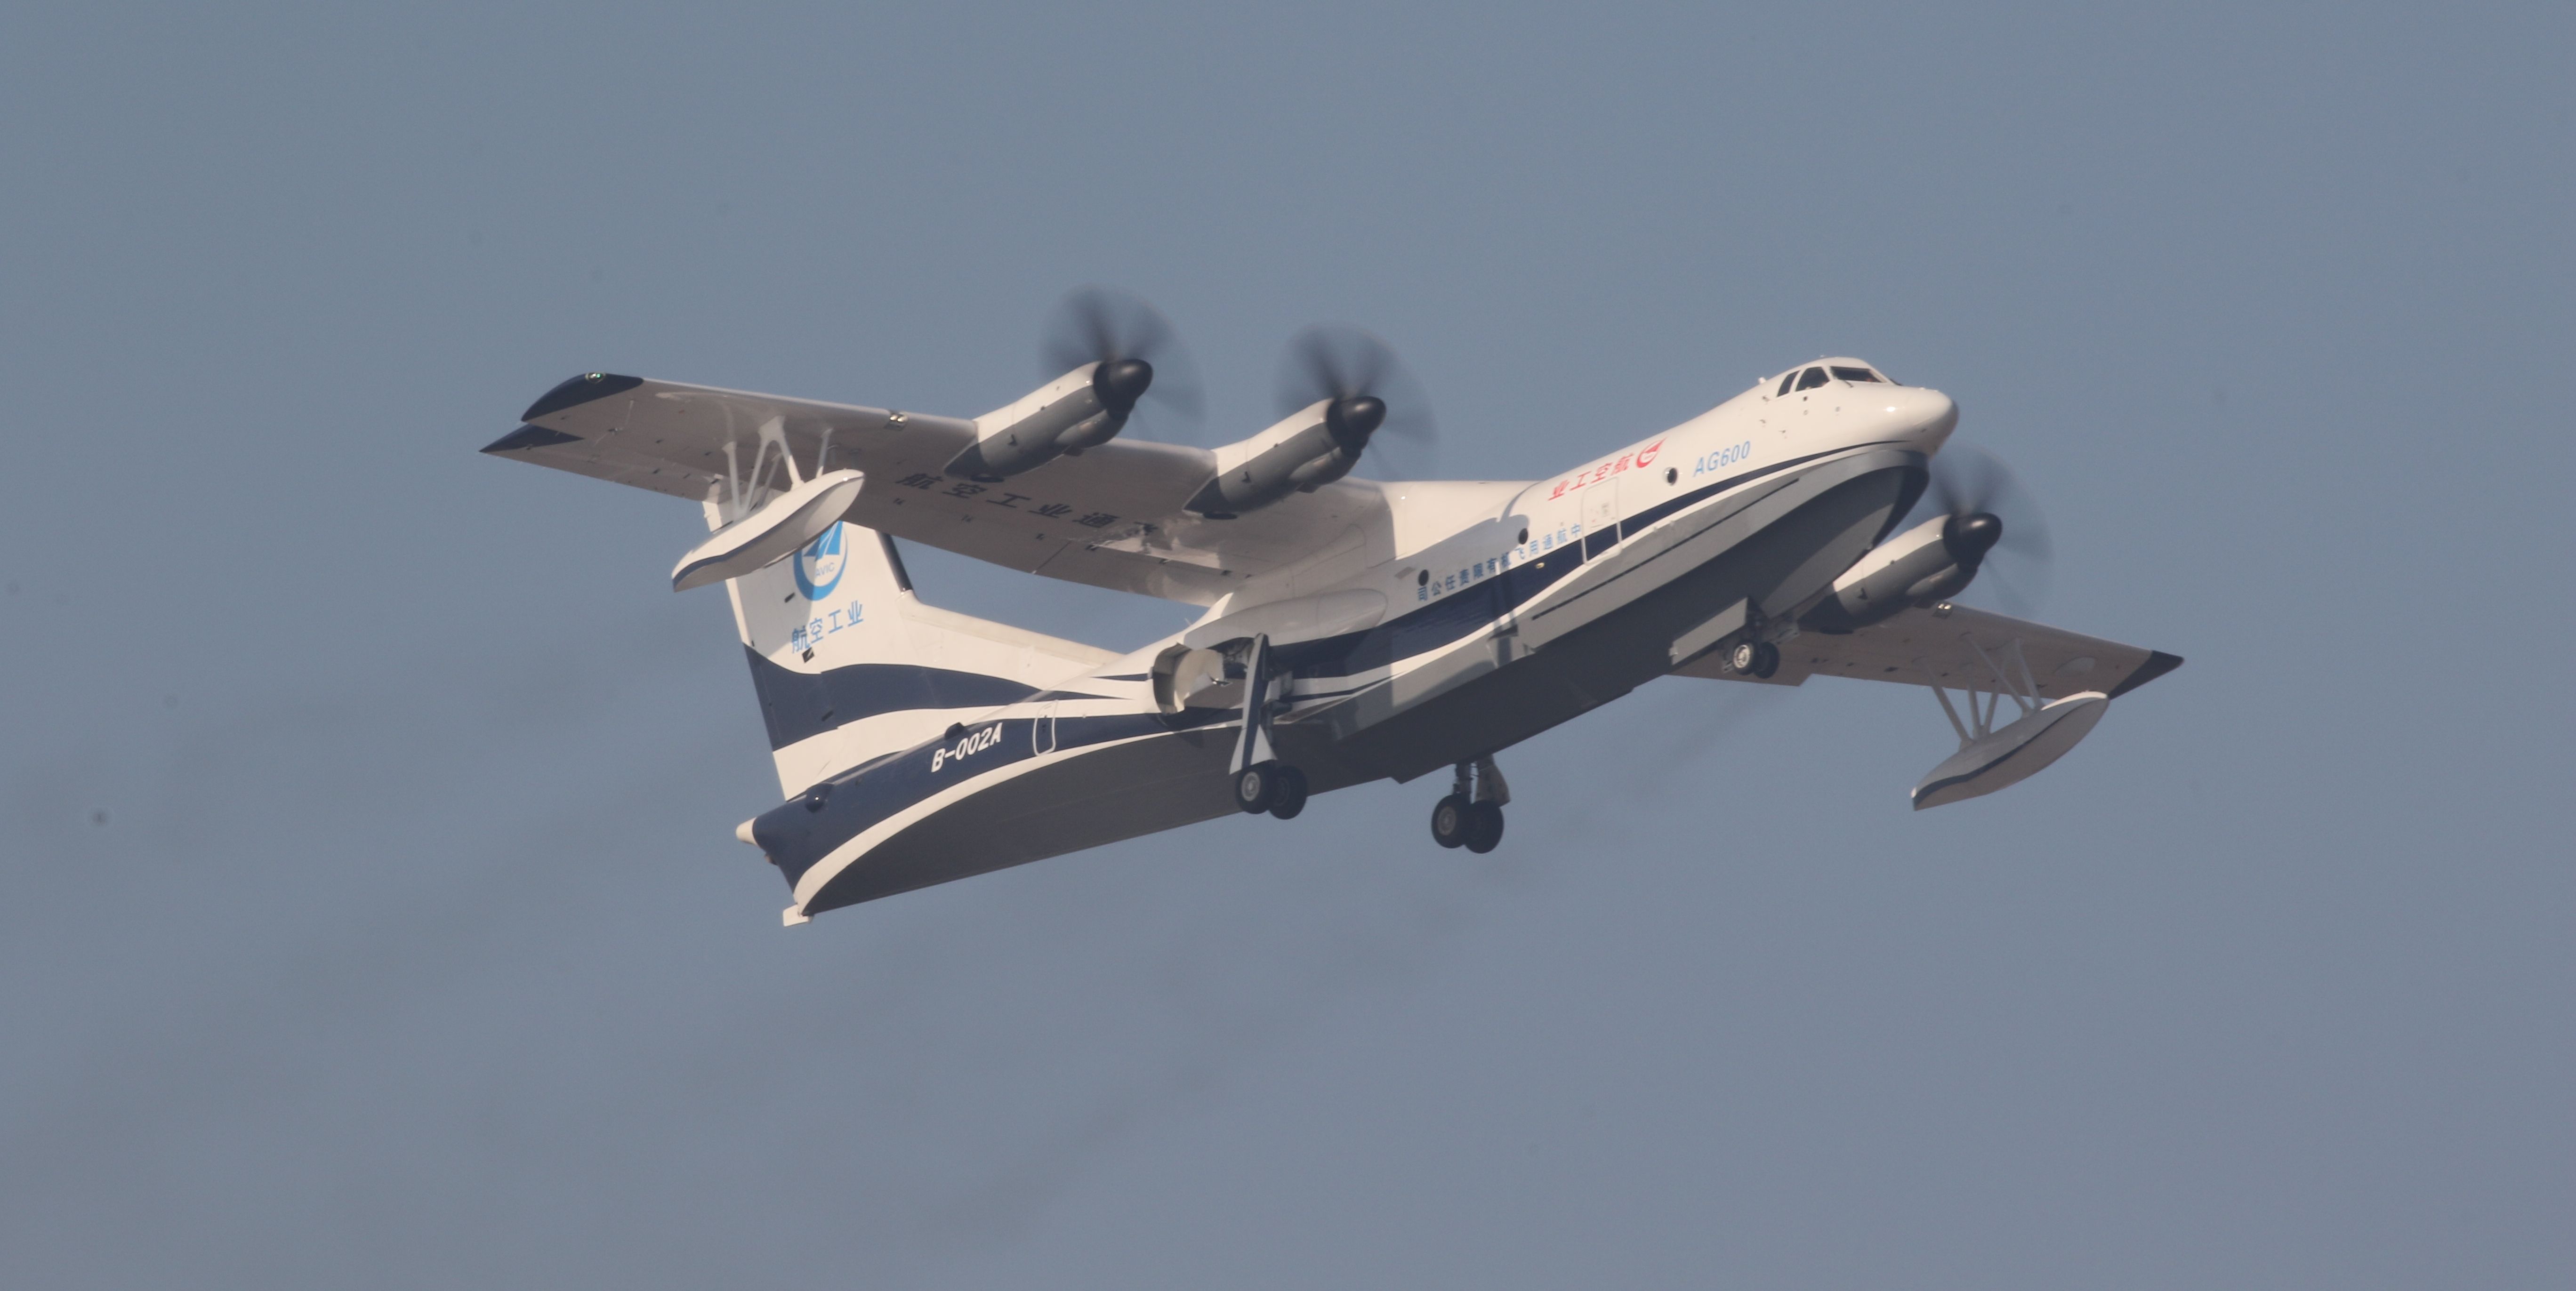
{"x": 1263, "y": 783}
{"x": 1472, "y": 815}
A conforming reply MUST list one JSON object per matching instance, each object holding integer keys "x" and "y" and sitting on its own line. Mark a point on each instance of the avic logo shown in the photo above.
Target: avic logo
{"x": 819, "y": 564}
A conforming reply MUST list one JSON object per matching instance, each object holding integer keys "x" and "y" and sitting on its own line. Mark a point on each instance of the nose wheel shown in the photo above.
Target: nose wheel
{"x": 1472, "y": 815}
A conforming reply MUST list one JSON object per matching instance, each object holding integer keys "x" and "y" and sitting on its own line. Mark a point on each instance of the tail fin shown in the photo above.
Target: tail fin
{"x": 850, "y": 665}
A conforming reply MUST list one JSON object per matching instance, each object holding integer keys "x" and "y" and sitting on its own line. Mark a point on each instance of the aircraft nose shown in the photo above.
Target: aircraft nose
{"x": 1915, "y": 410}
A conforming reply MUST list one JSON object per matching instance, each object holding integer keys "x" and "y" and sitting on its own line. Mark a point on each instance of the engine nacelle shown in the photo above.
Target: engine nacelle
{"x": 1305, "y": 451}
{"x": 1932, "y": 561}
{"x": 1082, "y": 409}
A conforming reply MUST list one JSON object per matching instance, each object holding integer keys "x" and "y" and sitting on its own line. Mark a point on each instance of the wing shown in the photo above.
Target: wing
{"x": 1110, "y": 517}
{"x": 1959, "y": 647}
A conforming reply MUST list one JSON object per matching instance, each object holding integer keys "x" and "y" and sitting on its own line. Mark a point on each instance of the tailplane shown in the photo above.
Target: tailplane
{"x": 850, "y": 665}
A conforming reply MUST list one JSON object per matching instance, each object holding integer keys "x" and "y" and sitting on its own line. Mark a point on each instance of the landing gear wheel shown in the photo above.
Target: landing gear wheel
{"x": 1451, "y": 818}
{"x": 1484, "y": 827}
{"x": 1743, "y": 656}
{"x": 1290, "y": 797}
{"x": 1256, "y": 787}
{"x": 1766, "y": 659}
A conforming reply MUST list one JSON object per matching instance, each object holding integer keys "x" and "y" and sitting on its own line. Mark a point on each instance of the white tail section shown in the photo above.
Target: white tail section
{"x": 850, "y": 665}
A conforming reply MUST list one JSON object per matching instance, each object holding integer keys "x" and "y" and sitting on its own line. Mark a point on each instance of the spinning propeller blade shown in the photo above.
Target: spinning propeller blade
{"x": 1991, "y": 512}
{"x": 1105, "y": 325}
{"x": 1373, "y": 393}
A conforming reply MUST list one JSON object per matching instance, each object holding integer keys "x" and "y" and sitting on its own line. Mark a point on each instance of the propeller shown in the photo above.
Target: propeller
{"x": 1991, "y": 514}
{"x": 1372, "y": 392}
{"x": 1135, "y": 346}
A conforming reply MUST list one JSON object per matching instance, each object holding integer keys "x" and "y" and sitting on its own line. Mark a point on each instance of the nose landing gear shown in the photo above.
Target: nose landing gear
{"x": 1472, "y": 815}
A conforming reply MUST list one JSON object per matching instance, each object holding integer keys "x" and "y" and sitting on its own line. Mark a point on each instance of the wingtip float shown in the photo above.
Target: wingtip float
{"x": 770, "y": 532}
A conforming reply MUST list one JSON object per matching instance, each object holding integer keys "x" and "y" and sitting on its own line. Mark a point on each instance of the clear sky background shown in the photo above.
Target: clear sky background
{"x": 369, "y": 914}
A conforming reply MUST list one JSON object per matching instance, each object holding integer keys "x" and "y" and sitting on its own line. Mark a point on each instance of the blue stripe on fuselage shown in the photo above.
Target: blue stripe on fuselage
{"x": 798, "y": 834}
{"x": 800, "y": 705}
{"x": 1455, "y": 617}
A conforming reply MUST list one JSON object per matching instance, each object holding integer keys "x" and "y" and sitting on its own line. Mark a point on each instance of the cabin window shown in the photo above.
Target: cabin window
{"x": 1811, "y": 378}
{"x": 1855, "y": 375}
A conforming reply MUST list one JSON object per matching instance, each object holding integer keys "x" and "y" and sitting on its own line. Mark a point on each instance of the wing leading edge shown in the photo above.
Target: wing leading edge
{"x": 1958, "y": 647}
{"x": 1112, "y": 516}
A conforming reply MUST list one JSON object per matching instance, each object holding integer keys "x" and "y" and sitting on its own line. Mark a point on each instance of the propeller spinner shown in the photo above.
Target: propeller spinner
{"x": 1974, "y": 488}
{"x": 1370, "y": 389}
{"x": 1135, "y": 347}
{"x": 1939, "y": 557}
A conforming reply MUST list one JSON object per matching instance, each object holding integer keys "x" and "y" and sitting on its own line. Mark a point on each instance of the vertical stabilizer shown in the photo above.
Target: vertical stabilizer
{"x": 850, "y": 665}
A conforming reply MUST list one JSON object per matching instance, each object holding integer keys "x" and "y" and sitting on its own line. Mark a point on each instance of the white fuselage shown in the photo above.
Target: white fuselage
{"x": 1505, "y": 608}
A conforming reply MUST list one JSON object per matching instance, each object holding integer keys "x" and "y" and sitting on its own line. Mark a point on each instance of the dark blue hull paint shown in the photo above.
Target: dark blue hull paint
{"x": 1517, "y": 702}
{"x": 801, "y": 705}
{"x": 803, "y": 830}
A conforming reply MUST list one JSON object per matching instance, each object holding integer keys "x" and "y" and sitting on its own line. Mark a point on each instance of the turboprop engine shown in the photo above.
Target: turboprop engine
{"x": 1082, "y": 409}
{"x": 1310, "y": 448}
{"x": 1336, "y": 386}
{"x": 1930, "y": 562}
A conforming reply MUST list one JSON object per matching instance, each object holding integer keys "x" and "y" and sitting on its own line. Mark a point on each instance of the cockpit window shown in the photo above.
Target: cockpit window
{"x": 1788, "y": 381}
{"x": 1812, "y": 378}
{"x": 1854, "y": 375}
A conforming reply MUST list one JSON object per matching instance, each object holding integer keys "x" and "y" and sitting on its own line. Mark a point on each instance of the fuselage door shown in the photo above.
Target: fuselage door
{"x": 1042, "y": 730}
{"x": 1600, "y": 512}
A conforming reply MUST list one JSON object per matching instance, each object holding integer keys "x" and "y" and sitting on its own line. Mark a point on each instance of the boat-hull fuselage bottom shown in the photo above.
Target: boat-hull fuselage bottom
{"x": 1051, "y": 784}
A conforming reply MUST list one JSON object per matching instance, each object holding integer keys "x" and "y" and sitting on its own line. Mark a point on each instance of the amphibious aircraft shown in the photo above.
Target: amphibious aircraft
{"x": 1353, "y": 629}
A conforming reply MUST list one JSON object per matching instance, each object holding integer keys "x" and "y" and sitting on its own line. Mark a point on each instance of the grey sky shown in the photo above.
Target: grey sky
{"x": 414, "y": 948}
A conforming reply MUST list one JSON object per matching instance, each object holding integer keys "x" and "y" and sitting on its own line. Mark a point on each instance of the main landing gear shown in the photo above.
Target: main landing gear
{"x": 1273, "y": 787}
{"x": 1757, "y": 658}
{"x": 1472, "y": 815}
{"x": 1263, "y": 783}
